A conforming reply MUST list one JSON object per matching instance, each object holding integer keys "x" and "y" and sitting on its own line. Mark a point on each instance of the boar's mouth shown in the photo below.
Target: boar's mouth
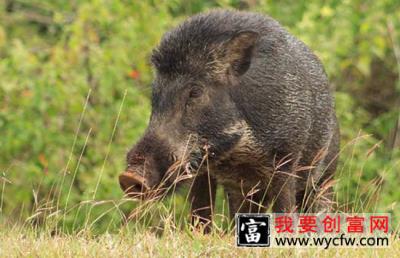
{"x": 132, "y": 183}
{"x": 164, "y": 168}
{"x": 135, "y": 185}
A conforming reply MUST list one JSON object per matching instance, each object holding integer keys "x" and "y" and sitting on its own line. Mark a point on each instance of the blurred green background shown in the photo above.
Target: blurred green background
{"x": 74, "y": 96}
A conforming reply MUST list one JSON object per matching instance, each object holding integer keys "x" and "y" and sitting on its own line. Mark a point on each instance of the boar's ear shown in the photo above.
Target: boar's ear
{"x": 238, "y": 51}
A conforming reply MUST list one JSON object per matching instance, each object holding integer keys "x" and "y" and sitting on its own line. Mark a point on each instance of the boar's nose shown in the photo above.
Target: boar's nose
{"x": 132, "y": 183}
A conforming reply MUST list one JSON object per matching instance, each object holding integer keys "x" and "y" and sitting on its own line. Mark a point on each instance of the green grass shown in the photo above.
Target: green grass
{"x": 20, "y": 242}
{"x": 124, "y": 227}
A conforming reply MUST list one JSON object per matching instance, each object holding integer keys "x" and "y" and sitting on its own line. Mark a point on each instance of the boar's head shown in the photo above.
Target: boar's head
{"x": 193, "y": 105}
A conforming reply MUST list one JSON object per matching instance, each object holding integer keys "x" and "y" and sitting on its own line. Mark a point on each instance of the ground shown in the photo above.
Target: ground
{"x": 27, "y": 243}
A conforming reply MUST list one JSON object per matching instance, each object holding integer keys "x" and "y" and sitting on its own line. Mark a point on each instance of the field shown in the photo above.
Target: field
{"x": 75, "y": 94}
{"x": 20, "y": 242}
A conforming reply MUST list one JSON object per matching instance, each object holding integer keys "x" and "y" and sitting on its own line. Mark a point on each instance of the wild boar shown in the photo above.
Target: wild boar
{"x": 237, "y": 101}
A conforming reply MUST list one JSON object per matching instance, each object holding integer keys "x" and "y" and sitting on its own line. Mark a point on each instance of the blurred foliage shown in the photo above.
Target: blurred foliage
{"x": 75, "y": 86}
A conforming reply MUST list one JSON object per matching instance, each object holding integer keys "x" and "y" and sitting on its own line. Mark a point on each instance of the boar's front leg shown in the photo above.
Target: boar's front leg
{"x": 202, "y": 196}
{"x": 282, "y": 193}
{"x": 282, "y": 188}
{"x": 240, "y": 202}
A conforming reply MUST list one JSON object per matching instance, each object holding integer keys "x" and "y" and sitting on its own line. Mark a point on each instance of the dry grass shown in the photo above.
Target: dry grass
{"x": 23, "y": 241}
{"x": 28, "y": 243}
{"x": 173, "y": 237}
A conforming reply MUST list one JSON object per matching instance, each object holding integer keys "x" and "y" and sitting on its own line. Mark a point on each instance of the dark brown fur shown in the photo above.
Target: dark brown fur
{"x": 239, "y": 90}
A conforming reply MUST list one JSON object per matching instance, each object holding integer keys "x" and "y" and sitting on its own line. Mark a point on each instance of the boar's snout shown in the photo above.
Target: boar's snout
{"x": 132, "y": 183}
{"x": 148, "y": 162}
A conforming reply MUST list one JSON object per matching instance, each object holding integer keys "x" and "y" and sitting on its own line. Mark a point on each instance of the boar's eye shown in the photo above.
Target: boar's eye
{"x": 195, "y": 92}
